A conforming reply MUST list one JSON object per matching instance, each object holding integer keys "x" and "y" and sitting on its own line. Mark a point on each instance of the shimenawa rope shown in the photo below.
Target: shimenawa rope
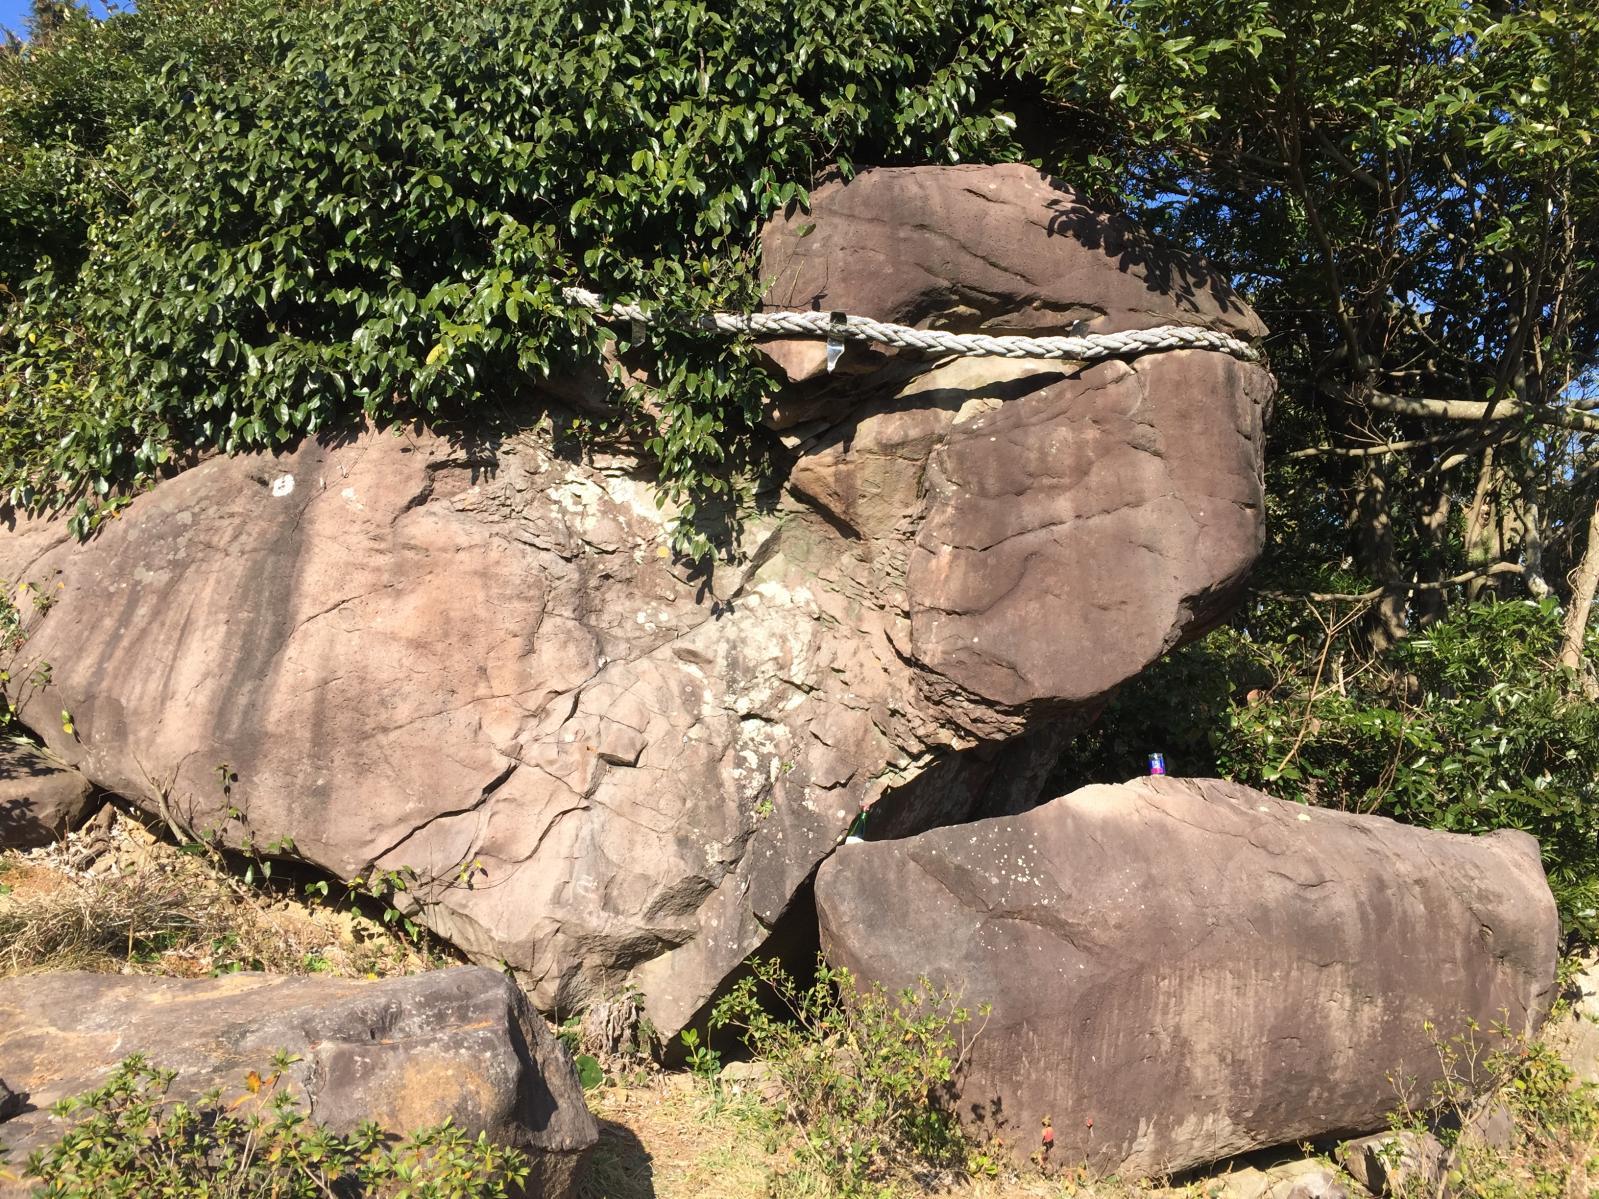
{"x": 839, "y": 328}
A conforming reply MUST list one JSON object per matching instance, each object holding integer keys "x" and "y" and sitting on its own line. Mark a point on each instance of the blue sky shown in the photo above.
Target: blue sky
{"x": 14, "y": 13}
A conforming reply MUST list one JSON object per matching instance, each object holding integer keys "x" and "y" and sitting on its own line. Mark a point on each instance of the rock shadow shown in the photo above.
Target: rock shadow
{"x": 16, "y": 815}
{"x": 1135, "y": 250}
{"x": 619, "y": 1167}
{"x": 25, "y": 771}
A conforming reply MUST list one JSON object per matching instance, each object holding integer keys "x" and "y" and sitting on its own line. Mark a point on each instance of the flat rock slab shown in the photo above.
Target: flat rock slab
{"x": 406, "y": 1053}
{"x": 1183, "y": 970}
{"x": 41, "y": 800}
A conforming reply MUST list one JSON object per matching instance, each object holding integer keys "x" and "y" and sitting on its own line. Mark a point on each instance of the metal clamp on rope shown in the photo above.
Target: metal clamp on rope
{"x": 837, "y": 322}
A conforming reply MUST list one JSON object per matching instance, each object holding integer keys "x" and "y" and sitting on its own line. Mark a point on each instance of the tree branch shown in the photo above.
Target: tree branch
{"x": 1585, "y": 581}
{"x": 1372, "y": 451}
{"x": 1472, "y": 410}
{"x": 1363, "y": 597}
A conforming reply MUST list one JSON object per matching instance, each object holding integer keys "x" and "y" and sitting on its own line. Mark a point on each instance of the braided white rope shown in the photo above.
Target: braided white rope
{"x": 1085, "y": 348}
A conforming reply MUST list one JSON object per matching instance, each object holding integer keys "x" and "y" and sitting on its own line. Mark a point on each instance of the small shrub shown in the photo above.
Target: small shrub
{"x": 865, "y": 1075}
{"x": 703, "y": 1061}
{"x": 129, "y": 1138}
{"x": 1554, "y": 1150}
{"x": 21, "y": 605}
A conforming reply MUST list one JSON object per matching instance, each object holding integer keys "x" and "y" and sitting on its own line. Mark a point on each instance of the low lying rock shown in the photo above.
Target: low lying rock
{"x": 1184, "y": 970}
{"x": 406, "y": 1053}
{"x": 1304, "y": 1179}
{"x": 1576, "y": 1038}
{"x": 40, "y": 800}
{"x": 753, "y": 1078}
{"x": 1396, "y": 1164}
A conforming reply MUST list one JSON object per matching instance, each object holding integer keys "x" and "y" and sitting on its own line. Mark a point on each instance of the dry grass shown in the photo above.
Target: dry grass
{"x": 670, "y": 1136}
{"x": 147, "y": 907}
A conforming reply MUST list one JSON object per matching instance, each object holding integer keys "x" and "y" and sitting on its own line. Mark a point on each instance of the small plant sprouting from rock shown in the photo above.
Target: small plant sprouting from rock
{"x": 128, "y": 1137}
{"x": 864, "y": 1073}
{"x": 19, "y": 679}
{"x": 387, "y": 887}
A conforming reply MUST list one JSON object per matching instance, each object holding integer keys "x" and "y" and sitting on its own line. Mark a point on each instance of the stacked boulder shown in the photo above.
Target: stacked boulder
{"x": 474, "y": 661}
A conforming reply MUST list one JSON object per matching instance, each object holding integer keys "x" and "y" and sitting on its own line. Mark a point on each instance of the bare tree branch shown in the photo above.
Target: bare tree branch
{"x": 1584, "y": 582}
{"x": 1371, "y": 451}
{"x": 1377, "y": 593}
{"x": 1472, "y": 410}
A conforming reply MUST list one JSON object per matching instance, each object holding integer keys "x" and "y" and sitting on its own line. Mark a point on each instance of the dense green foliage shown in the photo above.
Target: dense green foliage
{"x": 1422, "y": 202}
{"x": 128, "y": 1138}
{"x": 1408, "y": 193}
{"x": 314, "y": 211}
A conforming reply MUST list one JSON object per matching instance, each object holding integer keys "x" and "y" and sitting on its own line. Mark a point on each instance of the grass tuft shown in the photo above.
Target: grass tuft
{"x": 145, "y": 906}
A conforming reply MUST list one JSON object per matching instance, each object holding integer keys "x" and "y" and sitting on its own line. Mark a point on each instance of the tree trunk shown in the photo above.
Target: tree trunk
{"x": 1432, "y": 604}
{"x": 1374, "y": 548}
{"x": 1584, "y": 583}
{"x": 1484, "y": 526}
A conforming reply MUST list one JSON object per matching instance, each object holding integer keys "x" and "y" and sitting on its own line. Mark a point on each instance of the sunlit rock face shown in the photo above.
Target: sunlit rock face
{"x": 476, "y": 664}
{"x": 1185, "y": 969}
{"x": 461, "y": 1046}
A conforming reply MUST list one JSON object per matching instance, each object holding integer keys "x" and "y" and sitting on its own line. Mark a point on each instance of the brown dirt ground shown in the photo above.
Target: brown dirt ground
{"x": 669, "y": 1135}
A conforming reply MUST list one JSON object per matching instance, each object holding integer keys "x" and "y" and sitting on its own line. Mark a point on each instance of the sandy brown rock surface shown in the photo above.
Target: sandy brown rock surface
{"x": 473, "y": 667}
{"x": 1181, "y": 970}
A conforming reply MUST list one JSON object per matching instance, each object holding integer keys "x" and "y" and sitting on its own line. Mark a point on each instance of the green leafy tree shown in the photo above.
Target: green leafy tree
{"x": 373, "y": 209}
{"x": 1408, "y": 191}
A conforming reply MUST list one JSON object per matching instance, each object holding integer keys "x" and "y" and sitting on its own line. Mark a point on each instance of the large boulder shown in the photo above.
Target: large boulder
{"x": 1182, "y": 970}
{"x": 475, "y": 664}
{"x": 406, "y": 1053}
{"x": 41, "y": 800}
{"x": 993, "y": 249}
